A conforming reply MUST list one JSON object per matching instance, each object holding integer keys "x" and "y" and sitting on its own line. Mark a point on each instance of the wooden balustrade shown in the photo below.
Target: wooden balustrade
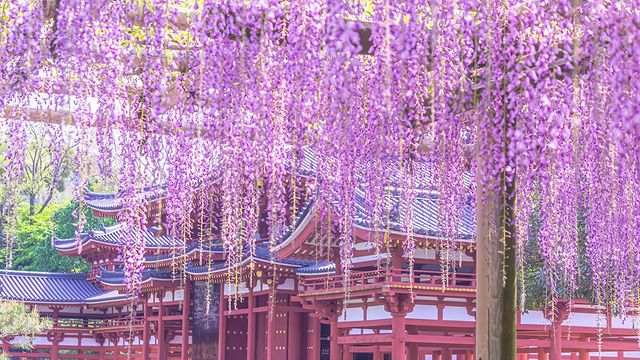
{"x": 390, "y": 277}
{"x": 96, "y": 324}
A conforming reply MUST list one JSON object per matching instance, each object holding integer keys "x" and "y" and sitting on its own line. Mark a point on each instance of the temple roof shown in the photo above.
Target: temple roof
{"x": 194, "y": 247}
{"x": 261, "y": 254}
{"x": 114, "y": 235}
{"x": 117, "y": 278}
{"x": 425, "y": 215}
{"x": 111, "y": 202}
{"x": 44, "y": 287}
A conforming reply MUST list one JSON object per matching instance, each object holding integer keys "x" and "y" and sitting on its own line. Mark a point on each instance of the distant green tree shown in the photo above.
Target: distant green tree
{"x": 34, "y": 250}
{"x": 16, "y": 321}
{"x": 65, "y": 218}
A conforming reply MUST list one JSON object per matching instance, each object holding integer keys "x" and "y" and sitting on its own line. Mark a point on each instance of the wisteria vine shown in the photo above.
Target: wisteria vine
{"x": 411, "y": 96}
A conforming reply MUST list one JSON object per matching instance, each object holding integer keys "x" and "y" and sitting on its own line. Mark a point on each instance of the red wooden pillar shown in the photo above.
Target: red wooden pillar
{"x": 334, "y": 347}
{"x": 186, "y": 309}
{"x": 583, "y": 355}
{"x": 146, "y": 330}
{"x": 398, "y": 348}
{"x": 412, "y": 348}
{"x": 222, "y": 326}
{"x": 446, "y": 354}
{"x": 251, "y": 326}
{"x": 54, "y": 348}
{"x": 377, "y": 354}
{"x": 346, "y": 353}
{"x": 437, "y": 355}
{"x": 542, "y": 354}
{"x": 271, "y": 327}
{"x": 468, "y": 355}
{"x": 161, "y": 332}
{"x": 313, "y": 338}
{"x": 555, "y": 353}
{"x": 295, "y": 338}
{"x": 56, "y": 337}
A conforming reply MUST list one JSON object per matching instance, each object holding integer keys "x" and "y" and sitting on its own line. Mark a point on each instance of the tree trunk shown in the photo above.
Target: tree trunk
{"x": 32, "y": 204}
{"x": 496, "y": 297}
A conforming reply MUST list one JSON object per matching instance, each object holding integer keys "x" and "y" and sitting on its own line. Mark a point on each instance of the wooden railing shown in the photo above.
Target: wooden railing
{"x": 97, "y": 324}
{"x": 376, "y": 278}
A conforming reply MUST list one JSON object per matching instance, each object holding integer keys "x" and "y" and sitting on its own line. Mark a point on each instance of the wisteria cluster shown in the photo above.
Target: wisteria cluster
{"x": 224, "y": 98}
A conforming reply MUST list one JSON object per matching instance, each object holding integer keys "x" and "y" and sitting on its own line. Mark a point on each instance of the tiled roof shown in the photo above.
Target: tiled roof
{"x": 112, "y": 202}
{"x": 425, "y": 215}
{"x": 320, "y": 268}
{"x": 116, "y": 235}
{"x": 42, "y": 287}
{"x": 191, "y": 248}
{"x": 261, "y": 253}
{"x": 118, "y": 277}
{"x": 324, "y": 267}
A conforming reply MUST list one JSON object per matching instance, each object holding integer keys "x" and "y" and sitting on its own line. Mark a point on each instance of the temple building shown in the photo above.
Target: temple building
{"x": 291, "y": 304}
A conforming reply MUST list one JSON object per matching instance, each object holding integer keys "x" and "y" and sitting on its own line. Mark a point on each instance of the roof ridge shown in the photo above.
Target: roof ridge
{"x": 82, "y": 275}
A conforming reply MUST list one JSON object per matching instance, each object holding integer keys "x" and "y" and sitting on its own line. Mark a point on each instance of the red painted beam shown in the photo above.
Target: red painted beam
{"x": 366, "y": 339}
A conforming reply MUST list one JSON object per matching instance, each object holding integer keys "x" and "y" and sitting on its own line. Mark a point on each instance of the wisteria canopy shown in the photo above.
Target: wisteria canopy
{"x": 220, "y": 100}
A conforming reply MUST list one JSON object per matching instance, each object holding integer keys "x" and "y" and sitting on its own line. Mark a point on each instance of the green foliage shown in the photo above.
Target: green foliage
{"x": 65, "y": 219}
{"x": 16, "y": 321}
{"x": 536, "y": 278}
{"x": 34, "y": 250}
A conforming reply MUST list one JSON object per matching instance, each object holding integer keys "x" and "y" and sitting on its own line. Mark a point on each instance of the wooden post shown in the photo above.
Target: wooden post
{"x": 186, "y": 309}
{"x": 251, "y": 326}
{"x": 542, "y": 354}
{"x": 271, "y": 326}
{"x": 314, "y": 337}
{"x": 161, "y": 332}
{"x": 377, "y": 354}
{"x": 295, "y": 338}
{"x": 555, "y": 352}
{"x": 398, "y": 348}
{"x": 583, "y": 355}
{"x": 346, "y": 353}
{"x": 334, "y": 347}
{"x": 56, "y": 339}
{"x": 446, "y": 354}
{"x": 146, "y": 331}
{"x": 222, "y": 326}
{"x": 495, "y": 266}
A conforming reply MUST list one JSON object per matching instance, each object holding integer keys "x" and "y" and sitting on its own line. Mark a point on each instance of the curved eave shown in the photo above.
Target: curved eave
{"x": 114, "y": 210}
{"x": 364, "y": 232}
{"x": 145, "y": 284}
{"x": 258, "y": 263}
{"x": 298, "y": 237}
{"x": 93, "y": 243}
{"x": 107, "y": 301}
{"x": 190, "y": 255}
{"x": 46, "y": 302}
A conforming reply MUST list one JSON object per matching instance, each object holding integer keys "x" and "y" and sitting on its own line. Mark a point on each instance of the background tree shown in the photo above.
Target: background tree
{"x": 16, "y": 321}
{"x": 48, "y": 164}
{"x": 34, "y": 238}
